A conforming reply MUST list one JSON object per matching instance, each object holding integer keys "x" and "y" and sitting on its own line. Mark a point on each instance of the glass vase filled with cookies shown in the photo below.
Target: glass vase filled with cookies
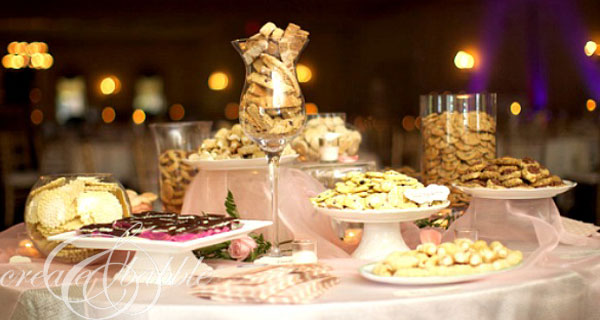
{"x": 175, "y": 141}
{"x": 271, "y": 105}
{"x": 458, "y": 131}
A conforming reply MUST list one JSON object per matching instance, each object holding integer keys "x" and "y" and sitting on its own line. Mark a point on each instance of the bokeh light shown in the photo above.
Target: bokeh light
{"x": 138, "y": 116}
{"x": 218, "y": 81}
{"x": 590, "y": 48}
{"x": 590, "y": 105}
{"x": 176, "y": 112}
{"x": 304, "y": 73}
{"x": 311, "y": 108}
{"x": 37, "y": 116}
{"x": 110, "y": 85}
{"x": 464, "y": 60}
{"x": 408, "y": 123}
{"x": 232, "y": 111}
{"x": 35, "y": 95}
{"x": 515, "y": 108}
{"x": 108, "y": 114}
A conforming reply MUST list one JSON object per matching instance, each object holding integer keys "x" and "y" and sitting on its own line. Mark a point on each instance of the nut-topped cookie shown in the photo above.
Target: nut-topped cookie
{"x": 509, "y": 172}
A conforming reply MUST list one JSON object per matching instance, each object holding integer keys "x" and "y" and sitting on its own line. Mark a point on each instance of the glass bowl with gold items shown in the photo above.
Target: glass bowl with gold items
{"x": 66, "y": 202}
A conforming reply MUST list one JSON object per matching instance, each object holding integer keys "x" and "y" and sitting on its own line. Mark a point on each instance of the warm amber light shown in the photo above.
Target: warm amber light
{"x": 138, "y": 116}
{"x": 232, "y": 111}
{"x": 303, "y": 72}
{"x": 37, "y": 60}
{"x": 108, "y": 114}
{"x": 418, "y": 122}
{"x": 12, "y": 47}
{"x": 37, "y": 116}
{"x": 464, "y": 60}
{"x": 311, "y": 108}
{"x": 515, "y": 108}
{"x": 408, "y": 123}
{"x": 49, "y": 61}
{"x": 590, "y": 48}
{"x": 176, "y": 112}
{"x": 35, "y": 95}
{"x": 590, "y": 105}
{"x": 109, "y": 85}
{"x": 21, "y": 48}
{"x": 7, "y": 61}
{"x": 218, "y": 81}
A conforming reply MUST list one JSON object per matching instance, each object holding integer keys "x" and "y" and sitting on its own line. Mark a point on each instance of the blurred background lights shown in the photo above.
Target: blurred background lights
{"x": 22, "y": 55}
{"x": 138, "y": 116}
{"x": 304, "y": 73}
{"x": 35, "y": 95}
{"x": 108, "y": 114}
{"x": 590, "y": 48}
{"x": 176, "y": 112}
{"x": 464, "y": 60}
{"x": 110, "y": 85}
{"x": 515, "y": 108}
{"x": 218, "y": 81}
{"x": 232, "y": 111}
{"x": 37, "y": 116}
{"x": 311, "y": 108}
{"x": 590, "y": 105}
{"x": 408, "y": 123}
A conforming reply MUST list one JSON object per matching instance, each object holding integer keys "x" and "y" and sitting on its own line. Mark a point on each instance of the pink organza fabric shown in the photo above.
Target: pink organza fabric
{"x": 530, "y": 224}
{"x": 252, "y": 194}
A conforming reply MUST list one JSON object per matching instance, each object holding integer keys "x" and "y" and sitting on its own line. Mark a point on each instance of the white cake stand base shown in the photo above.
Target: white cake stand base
{"x": 381, "y": 233}
{"x": 379, "y": 240}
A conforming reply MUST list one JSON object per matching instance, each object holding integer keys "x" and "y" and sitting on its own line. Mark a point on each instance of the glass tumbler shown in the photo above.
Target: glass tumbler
{"x": 174, "y": 143}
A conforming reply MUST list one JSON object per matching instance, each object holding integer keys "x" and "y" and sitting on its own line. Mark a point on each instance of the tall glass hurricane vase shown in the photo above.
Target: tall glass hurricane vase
{"x": 271, "y": 109}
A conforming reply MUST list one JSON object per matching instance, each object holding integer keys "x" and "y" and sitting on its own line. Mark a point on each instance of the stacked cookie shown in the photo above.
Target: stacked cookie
{"x": 509, "y": 172}
{"x": 460, "y": 257}
{"x": 174, "y": 177}
{"x": 231, "y": 144}
{"x": 370, "y": 191}
{"x": 452, "y": 143}
{"x": 271, "y": 104}
{"x": 307, "y": 143}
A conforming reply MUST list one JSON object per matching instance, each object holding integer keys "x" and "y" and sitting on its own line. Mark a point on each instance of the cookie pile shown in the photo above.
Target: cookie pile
{"x": 370, "y": 191}
{"x": 509, "y": 172}
{"x": 452, "y": 143}
{"x": 174, "y": 177}
{"x": 307, "y": 143}
{"x": 461, "y": 257}
{"x": 271, "y": 104}
{"x": 231, "y": 144}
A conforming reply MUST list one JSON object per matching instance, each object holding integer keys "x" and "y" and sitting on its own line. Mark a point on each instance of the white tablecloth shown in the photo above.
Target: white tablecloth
{"x": 547, "y": 294}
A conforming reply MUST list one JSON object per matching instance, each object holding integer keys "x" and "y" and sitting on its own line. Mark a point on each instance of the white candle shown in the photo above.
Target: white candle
{"x": 304, "y": 256}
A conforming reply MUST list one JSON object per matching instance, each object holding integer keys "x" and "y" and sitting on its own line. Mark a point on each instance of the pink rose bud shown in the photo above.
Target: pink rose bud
{"x": 241, "y": 248}
{"x": 430, "y": 236}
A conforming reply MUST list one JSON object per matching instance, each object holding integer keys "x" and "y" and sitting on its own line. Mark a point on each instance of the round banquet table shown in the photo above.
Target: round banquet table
{"x": 540, "y": 293}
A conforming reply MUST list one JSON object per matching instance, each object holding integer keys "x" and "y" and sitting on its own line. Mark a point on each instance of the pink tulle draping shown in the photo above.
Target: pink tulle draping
{"x": 534, "y": 223}
{"x": 252, "y": 195}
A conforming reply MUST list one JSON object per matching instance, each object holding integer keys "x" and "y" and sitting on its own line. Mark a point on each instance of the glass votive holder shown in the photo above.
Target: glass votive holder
{"x": 466, "y": 233}
{"x": 329, "y": 147}
{"x": 304, "y": 251}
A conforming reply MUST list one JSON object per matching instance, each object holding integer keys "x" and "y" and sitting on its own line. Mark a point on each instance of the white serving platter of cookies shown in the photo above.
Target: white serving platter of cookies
{"x": 382, "y": 216}
{"x": 367, "y": 272}
{"x": 517, "y": 193}
{"x": 236, "y": 164}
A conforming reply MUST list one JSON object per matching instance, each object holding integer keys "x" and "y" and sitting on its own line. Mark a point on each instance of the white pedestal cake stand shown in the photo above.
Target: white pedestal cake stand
{"x": 158, "y": 261}
{"x": 381, "y": 234}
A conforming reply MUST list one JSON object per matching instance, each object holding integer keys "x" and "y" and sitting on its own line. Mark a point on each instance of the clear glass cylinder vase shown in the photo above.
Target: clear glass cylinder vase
{"x": 175, "y": 141}
{"x": 457, "y": 131}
